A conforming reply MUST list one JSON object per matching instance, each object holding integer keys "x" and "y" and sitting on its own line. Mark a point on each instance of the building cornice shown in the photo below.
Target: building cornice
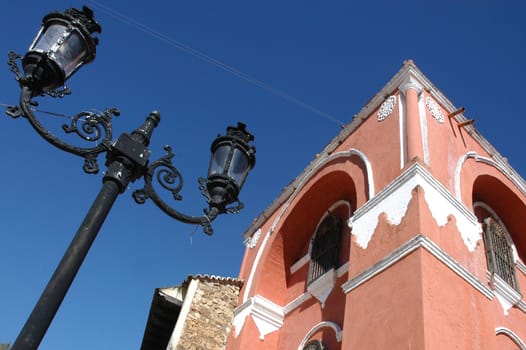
{"x": 419, "y": 241}
{"x": 267, "y": 316}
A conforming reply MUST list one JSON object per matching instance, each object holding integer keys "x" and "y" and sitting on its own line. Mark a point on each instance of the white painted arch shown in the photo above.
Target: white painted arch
{"x": 502, "y": 169}
{"x": 325, "y": 324}
{"x": 509, "y": 333}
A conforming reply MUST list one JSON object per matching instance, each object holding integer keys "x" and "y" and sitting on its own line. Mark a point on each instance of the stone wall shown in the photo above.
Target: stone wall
{"x": 209, "y": 319}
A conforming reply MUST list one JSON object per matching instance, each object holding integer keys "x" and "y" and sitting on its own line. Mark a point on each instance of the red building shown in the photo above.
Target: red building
{"x": 404, "y": 233}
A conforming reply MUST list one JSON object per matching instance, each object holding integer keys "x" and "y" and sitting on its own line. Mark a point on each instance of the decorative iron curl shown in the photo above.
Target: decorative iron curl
{"x": 13, "y": 57}
{"x": 169, "y": 178}
{"x": 92, "y": 125}
{"x": 167, "y": 174}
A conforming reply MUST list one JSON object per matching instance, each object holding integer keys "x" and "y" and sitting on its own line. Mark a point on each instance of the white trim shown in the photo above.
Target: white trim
{"x": 300, "y": 263}
{"x": 255, "y": 264}
{"x": 521, "y": 266}
{"x": 322, "y": 286}
{"x": 244, "y": 310}
{"x": 506, "y": 294}
{"x": 423, "y": 129}
{"x": 518, "y": 341}
{"x": 181, "y": 319}
{"x": 342, "y": 270}
{"x": 411, "y": 82}
{"x": 267, "y": 316}
{"x": 386, "y": 108}
{"x": 302, "y": 298}
{"x": 408, "y": 248}
{"x": 435, "y": 110}
{"x": 305, "y": 260}
{"x": 505, "y": 169}
{"x": 325, "y": 324}
{"x": 253, "y": 240}
{"x": 401, "y": 122}
{"x": 368, "y": 170}
{"x": 394, "y": 200}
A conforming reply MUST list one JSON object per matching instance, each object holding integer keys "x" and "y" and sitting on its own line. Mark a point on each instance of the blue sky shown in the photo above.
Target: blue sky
{"x": 329, "y": 56}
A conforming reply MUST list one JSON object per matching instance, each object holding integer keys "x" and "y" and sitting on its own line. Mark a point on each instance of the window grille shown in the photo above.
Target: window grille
{"x": 499, "y": 252}
{"x": 325, "y": 251}
{"x": 314, "y": 345}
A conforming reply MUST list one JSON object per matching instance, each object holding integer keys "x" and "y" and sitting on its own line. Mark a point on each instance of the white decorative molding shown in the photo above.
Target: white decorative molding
{"x": 435, "y": 110}
{"x": 322, "y": 286}
{"x": 424, "y": 130}
{"x": 307, "y": 175}
{"x": 342, "y": 270}
{"x": 505, "y": 169}
{"x": 386, "y": 108}
{"x": 394, "y": 199}
{"x": 512, "y": 336}
{"x": 302, "y": 298}
{"x": 297, "y": 302}
{"x": 521, "y": 266}
{"x": 259, "y": 253}
{"x": 267, "y": 316}
{"x": 408, "y": 248}
{"x": 253, "y": 240}
{"x": 507, "y": 296}
{"x": 411, "y": 82}
{"x": 325, "y": 324}
{"x": 402, "y": 129}
{"x": 300, "y": 263}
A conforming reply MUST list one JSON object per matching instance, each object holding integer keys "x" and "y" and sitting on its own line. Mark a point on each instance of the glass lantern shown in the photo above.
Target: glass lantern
{"x": 64, "y": 43}
{"x": 231, "y": 161}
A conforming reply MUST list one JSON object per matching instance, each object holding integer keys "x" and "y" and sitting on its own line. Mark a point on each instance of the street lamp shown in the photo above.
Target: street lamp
{"x": 65, "y": 42}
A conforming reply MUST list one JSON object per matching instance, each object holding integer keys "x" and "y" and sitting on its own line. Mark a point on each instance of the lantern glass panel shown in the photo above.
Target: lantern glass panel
{"x": 238, "y": 167}
{"x": 219, "y": 159}
{"x": 71, "y": 53}
{"x": 48, "y": 38}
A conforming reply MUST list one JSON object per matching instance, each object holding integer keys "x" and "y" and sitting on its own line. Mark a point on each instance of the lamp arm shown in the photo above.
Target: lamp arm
{"x": 171, "y": 180}
{"x": 89, "y": 126}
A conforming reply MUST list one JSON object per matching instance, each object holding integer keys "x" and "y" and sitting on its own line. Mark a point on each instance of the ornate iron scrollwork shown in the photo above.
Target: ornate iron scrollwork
{"x": 171, "y": 180}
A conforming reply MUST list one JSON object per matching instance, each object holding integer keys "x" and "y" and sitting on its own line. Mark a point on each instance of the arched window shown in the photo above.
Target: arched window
{"x": 325, "y": 251}
{"x": 314, "y": 345}
{"x": 499, "y": 252}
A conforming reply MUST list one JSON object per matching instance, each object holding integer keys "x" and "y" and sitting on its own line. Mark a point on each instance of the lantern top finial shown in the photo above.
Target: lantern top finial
{"x": 240, "y": 132}
{"x": 84, "y": 17}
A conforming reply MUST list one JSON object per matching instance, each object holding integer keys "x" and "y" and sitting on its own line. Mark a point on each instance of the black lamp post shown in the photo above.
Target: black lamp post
{"x": 65, "y": 42}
